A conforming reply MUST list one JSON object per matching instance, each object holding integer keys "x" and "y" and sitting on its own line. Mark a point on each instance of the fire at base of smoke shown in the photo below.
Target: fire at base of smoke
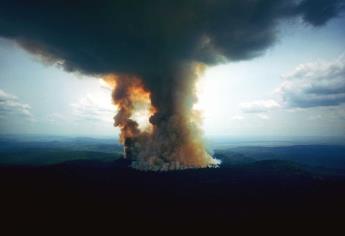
{"x": 144, "y": 166}
{"x": 172, "y": 140}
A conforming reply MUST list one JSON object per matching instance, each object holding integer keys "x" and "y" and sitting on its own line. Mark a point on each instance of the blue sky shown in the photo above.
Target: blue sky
{"x": 277, "y": 93}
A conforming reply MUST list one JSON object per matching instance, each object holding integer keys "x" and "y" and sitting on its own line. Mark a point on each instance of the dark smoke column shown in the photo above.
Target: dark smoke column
{"x": 154, "y": 50}
{"x": 174, "y": 140}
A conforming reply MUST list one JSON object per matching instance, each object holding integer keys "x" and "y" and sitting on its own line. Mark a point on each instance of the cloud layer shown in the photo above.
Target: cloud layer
{"x": 259, "y": 106}
{"x": 314, "y": 85}
{"x": 98, "y": 37}
{"x": 96, "y": 107}
{"x": 10, "y": 105}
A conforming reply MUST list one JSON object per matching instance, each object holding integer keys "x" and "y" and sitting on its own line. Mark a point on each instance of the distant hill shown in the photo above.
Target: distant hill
{"x": 86, "y": 180}
{"x": 47, "y": 152}
{"x": 325, "y": 158}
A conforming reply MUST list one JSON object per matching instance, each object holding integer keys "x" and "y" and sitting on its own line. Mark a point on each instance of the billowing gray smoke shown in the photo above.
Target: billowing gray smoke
{"x": 158, "y": 48}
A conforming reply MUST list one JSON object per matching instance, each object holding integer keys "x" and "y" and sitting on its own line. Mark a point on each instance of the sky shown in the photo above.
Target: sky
{"x": 296, "y": 88}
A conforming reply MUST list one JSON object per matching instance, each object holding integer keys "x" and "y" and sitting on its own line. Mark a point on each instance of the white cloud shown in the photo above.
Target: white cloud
{"x": 237, "y": 117}
{"x": 259, "y": 106}
{"x": 314, "y": 84}
{"x": 95, "y": 107}
{"x": 263, "y": 116}
{"x": 11, "y": 106}
{"x": 309, "y": 85}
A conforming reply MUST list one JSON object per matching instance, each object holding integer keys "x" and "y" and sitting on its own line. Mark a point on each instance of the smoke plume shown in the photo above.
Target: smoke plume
{"x": 173, "y": 141}
{"x": 152, "y": 52}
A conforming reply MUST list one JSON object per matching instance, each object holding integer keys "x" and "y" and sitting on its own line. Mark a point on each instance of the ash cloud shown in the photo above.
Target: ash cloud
{"x": 140, "y": 37}
{"x": 163, "y": 44}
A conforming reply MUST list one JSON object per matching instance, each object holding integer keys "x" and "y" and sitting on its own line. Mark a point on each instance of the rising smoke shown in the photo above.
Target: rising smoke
{"x": 173, "y": 141}
{"x": 152, "y": 52}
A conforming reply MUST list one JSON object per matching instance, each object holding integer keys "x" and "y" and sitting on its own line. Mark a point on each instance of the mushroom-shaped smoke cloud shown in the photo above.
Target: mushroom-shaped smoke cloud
{"x": 154, "y": 51}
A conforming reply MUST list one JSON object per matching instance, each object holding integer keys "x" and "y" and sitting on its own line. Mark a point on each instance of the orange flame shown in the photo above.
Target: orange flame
{"x": 171, "y": 142}
{"x": 131, "y": 98}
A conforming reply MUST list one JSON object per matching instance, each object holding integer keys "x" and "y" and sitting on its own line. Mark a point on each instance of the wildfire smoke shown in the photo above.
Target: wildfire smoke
{"x": 169, "y": 143}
